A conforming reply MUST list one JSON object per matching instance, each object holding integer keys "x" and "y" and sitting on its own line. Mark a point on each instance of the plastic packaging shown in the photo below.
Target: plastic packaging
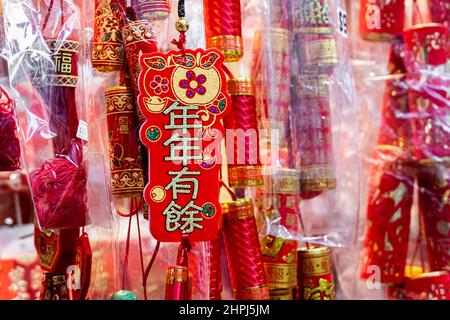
{"x": 45, "y": 52}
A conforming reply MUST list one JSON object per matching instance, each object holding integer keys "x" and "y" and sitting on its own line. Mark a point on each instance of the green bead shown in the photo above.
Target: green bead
{"x": 123, "y": 295}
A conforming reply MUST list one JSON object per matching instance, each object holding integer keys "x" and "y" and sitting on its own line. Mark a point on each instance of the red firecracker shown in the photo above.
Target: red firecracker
{"x": 127, "y": 176}
{"x": 245, "y": 264}
{"x": 223, "y": 27}
{"x": 315, "y": 274}
{"x": 314, "y": 34}
{"x": 428, "y": 286}
{"x": 244, "y": 166}
{"x": 139, "y": 37}
{"x": 107, "y": 48}
{"x": 311, "y": 125}
{"x": 279, "y": 254}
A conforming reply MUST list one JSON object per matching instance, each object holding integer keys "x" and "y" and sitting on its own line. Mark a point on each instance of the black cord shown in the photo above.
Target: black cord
{"x": 181, "y": 9}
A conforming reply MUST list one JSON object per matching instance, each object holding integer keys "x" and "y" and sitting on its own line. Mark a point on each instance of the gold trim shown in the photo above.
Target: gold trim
{"x": 281, "y": 294}
{"x": 177, "y": 274}
{"x": 281, "y": 275}
{"x": 379, "y": 37}
{"x": 245, "y": 176}
{"x": 425, "y": 25}
{"x": 231, "y": 46}
{"x": 253, "y": 293}
{"x": 311, "y": 252}
{"x": 313, "y": 30}
{"x": 240, "y": 87}
{"x": 240, "y": 209}
{"x": 429, "y": 275}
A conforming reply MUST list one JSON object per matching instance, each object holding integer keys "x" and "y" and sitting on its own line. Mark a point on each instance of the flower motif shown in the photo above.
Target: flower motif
{"x": 159, "y": 84}
{"x": 193, "y": 84}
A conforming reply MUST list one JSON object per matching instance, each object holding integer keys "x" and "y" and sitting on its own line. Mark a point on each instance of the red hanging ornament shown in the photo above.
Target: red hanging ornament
{"x": 139, "y": 38}
{"x": 223, "y": 27}
{"x": 79, "y": 277}
{"x": 127, "y": 176}
{"x": 426, "y": 46}
{"x": 428, "y": 286}
{"x": 392, "y": 180}
{"x": 107, "y": 48}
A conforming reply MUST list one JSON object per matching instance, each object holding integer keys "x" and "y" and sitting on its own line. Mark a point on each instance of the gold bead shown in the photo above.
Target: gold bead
{"x": 182, "y": 25}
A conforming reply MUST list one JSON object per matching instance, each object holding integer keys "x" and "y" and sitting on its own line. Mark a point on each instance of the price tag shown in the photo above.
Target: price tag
{"x": 342, "y": 22}
{"x": 82, "y": 132}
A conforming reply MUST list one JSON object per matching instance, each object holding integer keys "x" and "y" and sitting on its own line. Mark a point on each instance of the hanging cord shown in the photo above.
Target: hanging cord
{"x": 141, "y": 255}
{"x": 150, "y": 264}
{"x": 184, "y": 249}
{"x": 182, "y": 27}
{"x": 127, "y": 248}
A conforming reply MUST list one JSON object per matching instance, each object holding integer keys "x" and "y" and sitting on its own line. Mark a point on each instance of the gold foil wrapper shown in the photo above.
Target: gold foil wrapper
{"x": 231, "y": 46}
{"x": 315, "y": 261}
{"x": 245, "y": 176}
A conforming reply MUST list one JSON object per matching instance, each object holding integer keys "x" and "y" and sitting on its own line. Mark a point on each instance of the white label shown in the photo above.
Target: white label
{"x": 342, "y": 22}
{"x": 82, "y": 132}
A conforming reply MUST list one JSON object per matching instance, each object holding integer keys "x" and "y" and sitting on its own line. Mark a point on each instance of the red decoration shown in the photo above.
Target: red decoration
{"x": 55, "y": 249}
{"x": 183, "y": 97}
{"x": 9, "y": 143}
{"x": 429, "y": 102}
{"x": 244, "y": 165}
{"x": 388, "y": 216}
{"x": 281, "y": 203}
{"x": 107, "y": 48}
{"x": 315, "y": 274}
{"x": 151, "y": 9}
{"x": 311, "y": 127}
{"x": 245, "y": 264}
{"x": 434, "y": 207}
{"x": 428, "y": 286}
{"x": 223, "y": 27}
{"x": 381, "y": 20}
{"x": 78, "y": 287}
{"x": 177, "y": 286}
{"x": 214, "y": 258}
{"x": 139, "y": 38}
{"x": 440, "y": 11}
{"x": 127, "y": 176}
{"x": 427, "y": 45}
{"x": 314, "y": 34}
